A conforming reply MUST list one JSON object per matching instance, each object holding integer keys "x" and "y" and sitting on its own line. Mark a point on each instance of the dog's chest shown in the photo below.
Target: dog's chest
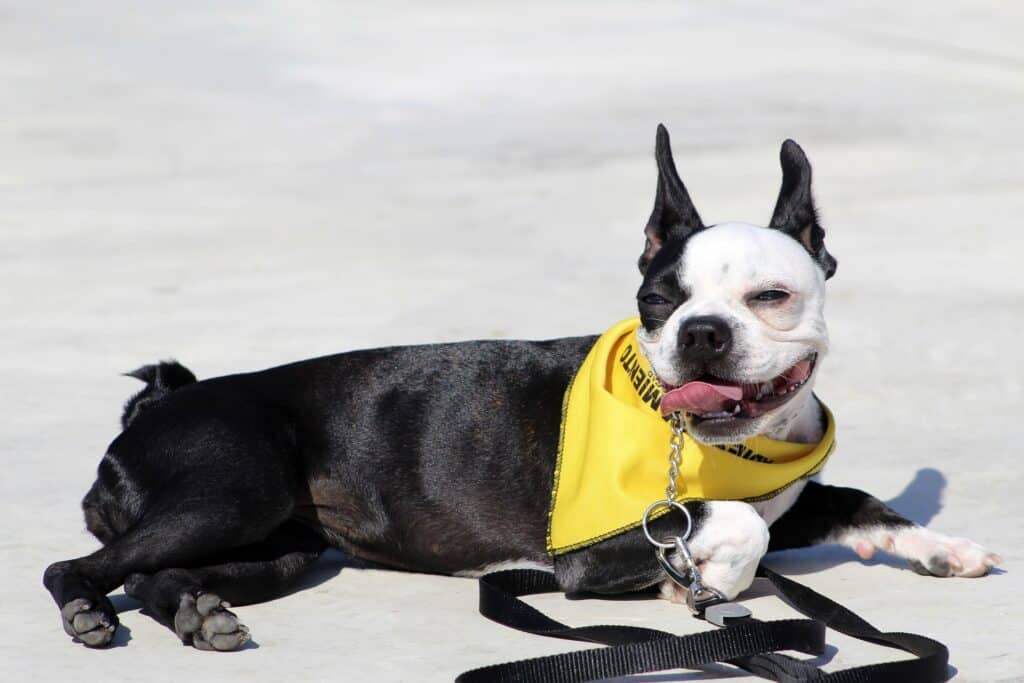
{"x": 773, "y": 508}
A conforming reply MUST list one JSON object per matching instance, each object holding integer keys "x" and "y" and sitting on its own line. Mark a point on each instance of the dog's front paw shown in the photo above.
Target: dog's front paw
{"x": 928, "y": 553}
{"x": 946, "y": 556}
{"x": 92, "y": 627}
{"x": 205, "y": 623}
{"x": 728, "y": 545}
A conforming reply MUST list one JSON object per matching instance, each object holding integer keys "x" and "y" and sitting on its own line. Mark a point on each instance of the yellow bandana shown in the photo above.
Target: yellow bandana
{"x": 612, "y": 454}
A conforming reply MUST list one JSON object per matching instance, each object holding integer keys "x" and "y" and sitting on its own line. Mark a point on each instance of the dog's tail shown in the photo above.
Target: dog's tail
{"x": 161, "y": 379}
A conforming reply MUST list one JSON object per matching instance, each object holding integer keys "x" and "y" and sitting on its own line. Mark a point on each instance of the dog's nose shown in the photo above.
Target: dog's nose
{"x": 704, "y": 338}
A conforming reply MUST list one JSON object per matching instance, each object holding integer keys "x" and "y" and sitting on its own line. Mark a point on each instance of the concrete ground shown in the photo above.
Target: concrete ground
{"x": 241, "y": 184}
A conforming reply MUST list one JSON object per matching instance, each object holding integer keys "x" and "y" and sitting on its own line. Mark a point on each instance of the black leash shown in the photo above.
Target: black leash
{"x": 747, "y": 643}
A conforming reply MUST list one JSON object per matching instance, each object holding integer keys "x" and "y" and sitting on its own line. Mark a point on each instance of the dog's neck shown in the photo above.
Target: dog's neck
{"x": 802, "y": 422}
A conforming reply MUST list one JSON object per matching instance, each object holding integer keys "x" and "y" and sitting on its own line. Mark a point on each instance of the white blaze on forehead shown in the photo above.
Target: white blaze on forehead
{"x": 732, "y": 258}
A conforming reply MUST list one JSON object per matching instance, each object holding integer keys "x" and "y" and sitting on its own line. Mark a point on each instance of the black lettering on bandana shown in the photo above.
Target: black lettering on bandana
{"x": 745, "y": 453}
{"x": 645, "y": 385}
{"x": 653, "y": 396}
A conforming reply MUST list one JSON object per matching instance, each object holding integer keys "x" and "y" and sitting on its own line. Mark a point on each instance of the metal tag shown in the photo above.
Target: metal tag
{"x": 723, "y": 612}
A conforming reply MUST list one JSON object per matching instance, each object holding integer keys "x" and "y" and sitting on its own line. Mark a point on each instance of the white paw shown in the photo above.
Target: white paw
{"x": 727, "y": 547}
{"x": 927, "y": 551}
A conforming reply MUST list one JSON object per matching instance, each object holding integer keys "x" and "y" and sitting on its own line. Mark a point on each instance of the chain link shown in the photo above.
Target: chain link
{"x": 675, "y": 456}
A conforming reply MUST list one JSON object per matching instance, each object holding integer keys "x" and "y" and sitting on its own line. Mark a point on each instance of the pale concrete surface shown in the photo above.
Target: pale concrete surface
{"x": 238, "y": 184}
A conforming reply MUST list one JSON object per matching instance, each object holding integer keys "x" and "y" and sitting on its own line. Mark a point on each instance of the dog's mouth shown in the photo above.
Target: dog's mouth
{"x": 713, "y": 398}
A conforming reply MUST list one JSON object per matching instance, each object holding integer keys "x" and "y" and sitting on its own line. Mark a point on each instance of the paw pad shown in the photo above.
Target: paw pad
{"x": 205, "y": 623}
{"x": 92, "y": 627}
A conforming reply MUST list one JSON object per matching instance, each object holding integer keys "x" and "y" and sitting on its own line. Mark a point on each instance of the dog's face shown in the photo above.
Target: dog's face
{"x": 733, "y": 314}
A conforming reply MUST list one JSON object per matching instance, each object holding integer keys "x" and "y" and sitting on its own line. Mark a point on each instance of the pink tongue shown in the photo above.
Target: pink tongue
{"x": 699, "y": 398}
{"x": 799, "y": 372}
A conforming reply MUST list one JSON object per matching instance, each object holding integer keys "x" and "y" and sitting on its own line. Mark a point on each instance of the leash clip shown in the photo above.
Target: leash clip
{"x": 699, "y": 598}
{"x": 704, "y": 601}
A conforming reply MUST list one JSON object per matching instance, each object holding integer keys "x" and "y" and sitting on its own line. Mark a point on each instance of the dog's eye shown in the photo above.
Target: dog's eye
{"x": 654, "y": 299}
{"x": 770, "y": 295}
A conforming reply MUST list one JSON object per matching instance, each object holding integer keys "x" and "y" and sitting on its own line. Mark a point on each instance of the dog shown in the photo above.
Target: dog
{"x": 438, "y": 458}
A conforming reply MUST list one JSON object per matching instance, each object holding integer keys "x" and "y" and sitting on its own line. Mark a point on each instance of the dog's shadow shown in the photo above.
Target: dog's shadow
{"x": 920, "y": 501}
{"x": 329, "y": 565}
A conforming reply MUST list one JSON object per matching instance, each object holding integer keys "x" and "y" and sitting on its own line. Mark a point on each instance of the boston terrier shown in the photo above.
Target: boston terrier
{"x": 442, "y": 458}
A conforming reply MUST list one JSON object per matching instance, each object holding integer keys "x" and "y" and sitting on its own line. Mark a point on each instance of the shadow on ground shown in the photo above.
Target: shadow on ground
{"x": 921, "y": 500}
{"x": 327, "y": 567}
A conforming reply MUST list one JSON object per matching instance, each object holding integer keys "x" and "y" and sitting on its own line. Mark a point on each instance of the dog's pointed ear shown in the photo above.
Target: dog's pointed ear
{"x": 674, "y": 214}
{"x": 795, "y": 213}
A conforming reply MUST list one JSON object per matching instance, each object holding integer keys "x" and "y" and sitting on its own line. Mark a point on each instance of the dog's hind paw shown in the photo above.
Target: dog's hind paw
{"x": 92, "y": 627}
{"x": 205, "y": 623}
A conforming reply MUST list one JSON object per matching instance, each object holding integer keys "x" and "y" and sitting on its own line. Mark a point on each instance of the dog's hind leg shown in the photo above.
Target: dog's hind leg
{"x": 846, "y": 516}
{"x": 188, "y": 523}
{"x": 194, "y": 601}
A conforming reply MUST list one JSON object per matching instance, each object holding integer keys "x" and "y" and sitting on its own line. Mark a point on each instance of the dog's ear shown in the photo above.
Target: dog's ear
{"x": 674, "y": 214}
{"x": 794, "y": 213}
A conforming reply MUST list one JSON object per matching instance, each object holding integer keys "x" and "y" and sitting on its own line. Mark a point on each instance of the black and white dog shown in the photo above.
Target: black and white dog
{"x": 227, "y": 489}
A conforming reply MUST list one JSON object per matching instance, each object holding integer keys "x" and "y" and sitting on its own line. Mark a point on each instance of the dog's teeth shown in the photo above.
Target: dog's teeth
{"x": 736, "y": 409}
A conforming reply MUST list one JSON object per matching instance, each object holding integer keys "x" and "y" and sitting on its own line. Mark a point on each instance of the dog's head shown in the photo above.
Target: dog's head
{"x": 732, "y": 314}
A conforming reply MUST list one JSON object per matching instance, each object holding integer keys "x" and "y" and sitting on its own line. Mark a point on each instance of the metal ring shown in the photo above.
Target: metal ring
{"x": 666, "y": 503}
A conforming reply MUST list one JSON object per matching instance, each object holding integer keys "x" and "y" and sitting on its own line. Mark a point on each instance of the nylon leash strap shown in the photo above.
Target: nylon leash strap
{"x": 747, "y": 643}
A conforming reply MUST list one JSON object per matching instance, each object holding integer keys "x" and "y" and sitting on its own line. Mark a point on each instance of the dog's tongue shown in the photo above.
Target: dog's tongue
{"x": 700, "y": 398}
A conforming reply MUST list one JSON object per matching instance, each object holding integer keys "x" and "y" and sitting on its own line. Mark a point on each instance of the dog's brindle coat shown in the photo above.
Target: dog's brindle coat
{"x": 430, "y": 458}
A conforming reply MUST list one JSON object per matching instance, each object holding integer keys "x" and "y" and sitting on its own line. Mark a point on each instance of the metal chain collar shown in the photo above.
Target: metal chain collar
{"x": 675, "y": 456}
{"x": 675, "y": 459}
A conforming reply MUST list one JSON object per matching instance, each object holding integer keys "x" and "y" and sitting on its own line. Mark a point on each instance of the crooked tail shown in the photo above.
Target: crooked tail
{"x": 161, "y": 379}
